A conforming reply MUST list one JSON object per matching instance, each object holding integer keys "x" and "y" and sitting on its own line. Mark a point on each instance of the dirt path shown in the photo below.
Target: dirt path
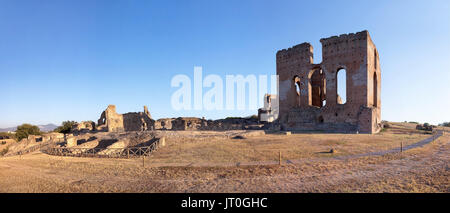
{"x": 411, "y": 173}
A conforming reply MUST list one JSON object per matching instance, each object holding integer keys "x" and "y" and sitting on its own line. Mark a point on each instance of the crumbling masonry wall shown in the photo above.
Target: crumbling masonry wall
{"x": 163, "y": 124}
{"x": 111, "y": 121}
{"x": 193, "y": 123}
{"x": 308, "y": 92}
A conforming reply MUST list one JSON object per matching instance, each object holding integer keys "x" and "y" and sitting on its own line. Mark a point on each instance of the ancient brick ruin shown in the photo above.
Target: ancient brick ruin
{"x": 193, "y": 123}
{"x": 111, "y": 121}
{"x": 308, "y": 98}
{"x": 83, "y": 127}
{"x": 164, "y": 123}
{"x": 187, "y": 123}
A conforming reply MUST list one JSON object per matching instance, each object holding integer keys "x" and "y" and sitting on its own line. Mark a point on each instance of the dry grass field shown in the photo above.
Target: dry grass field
{"x": 267, "y": 147}
{"x": 196, "y": 166}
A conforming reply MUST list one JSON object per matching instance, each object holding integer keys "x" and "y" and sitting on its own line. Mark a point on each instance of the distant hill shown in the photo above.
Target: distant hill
{"x": 43, "y": 128}
{"x": 47, "y": 127}
{"x": 8, "y": 129}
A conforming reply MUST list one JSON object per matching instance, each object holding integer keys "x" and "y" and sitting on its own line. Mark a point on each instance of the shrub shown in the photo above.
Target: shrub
{"x": 425, "y": 126}
{"x": 24, "y": 130}
{"x": 254, "y": 117}
{"x": 233, "y": 118}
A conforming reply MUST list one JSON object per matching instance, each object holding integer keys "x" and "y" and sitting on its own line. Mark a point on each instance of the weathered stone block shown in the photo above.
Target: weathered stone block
{"x": 71, "y": 141}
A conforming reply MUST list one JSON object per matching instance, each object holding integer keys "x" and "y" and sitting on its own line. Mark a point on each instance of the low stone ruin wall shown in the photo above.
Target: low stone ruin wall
{"x": 33, "y": 142}
{"x": 190, "y": 123}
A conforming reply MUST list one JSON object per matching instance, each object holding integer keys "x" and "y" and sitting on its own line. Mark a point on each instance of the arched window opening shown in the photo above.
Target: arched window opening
{"x": 297, "y": 88}
{"x": 375, "y": 90}
{"x": 318, "y": 88}
{"x": 320, "y": 119}
{"x": 375, "y": 58}
{"x": 341, "y": 78}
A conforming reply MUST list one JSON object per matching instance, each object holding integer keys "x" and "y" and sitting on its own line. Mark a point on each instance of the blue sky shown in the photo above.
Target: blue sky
{"x": 67, "y": 60}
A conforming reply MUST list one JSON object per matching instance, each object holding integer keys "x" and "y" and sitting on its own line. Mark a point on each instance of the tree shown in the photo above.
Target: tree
{"x": 66, "y": 127}
{"x": 447, "y": 124}
{"x": 24, "y": 130}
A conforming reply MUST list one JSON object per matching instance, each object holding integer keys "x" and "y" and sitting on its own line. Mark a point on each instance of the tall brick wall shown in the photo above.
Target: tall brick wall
{"x": 304, "y": 110}
{"x": 291, "y": 63}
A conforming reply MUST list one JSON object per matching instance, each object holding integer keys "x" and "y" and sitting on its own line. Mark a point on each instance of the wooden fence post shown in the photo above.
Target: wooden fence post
{"x": 401, "y": 146}
{"x": 279, "y": 157}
